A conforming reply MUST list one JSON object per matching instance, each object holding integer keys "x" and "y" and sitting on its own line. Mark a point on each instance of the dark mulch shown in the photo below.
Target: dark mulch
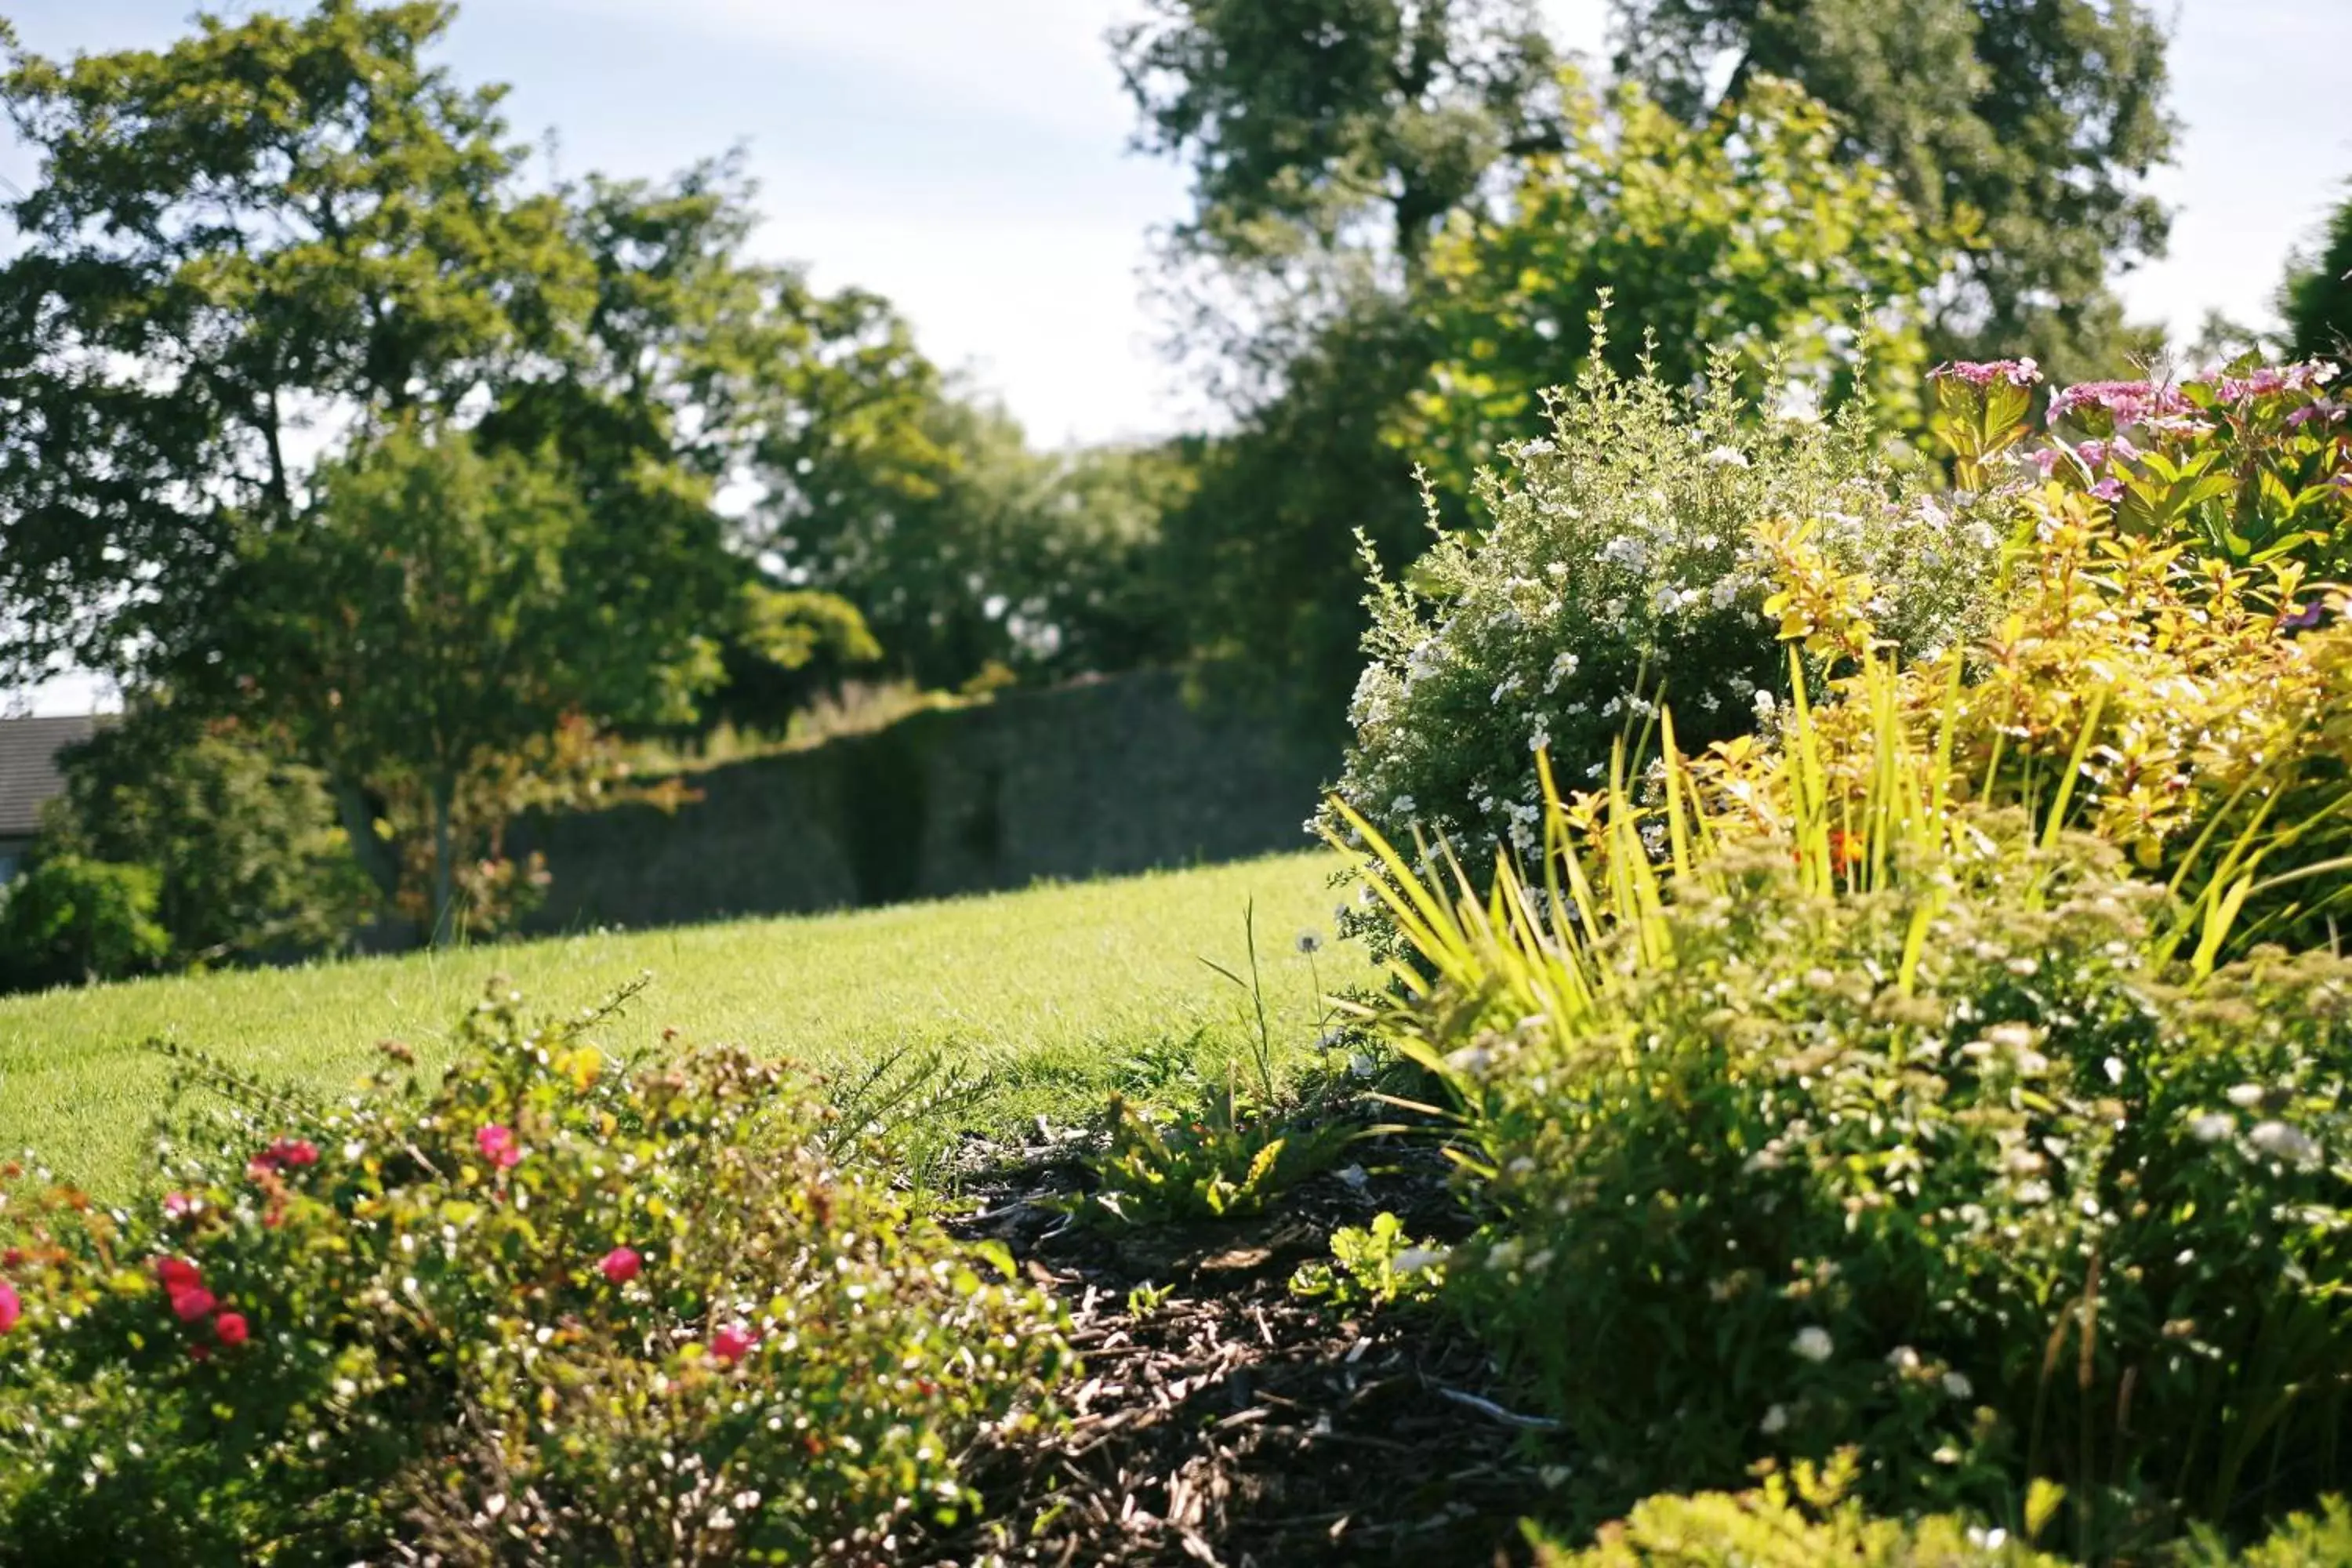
{"x": 1232, "y": 1425}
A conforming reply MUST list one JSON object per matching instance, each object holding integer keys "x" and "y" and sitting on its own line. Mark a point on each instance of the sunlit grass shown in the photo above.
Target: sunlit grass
{"x": 1055, "y": 990}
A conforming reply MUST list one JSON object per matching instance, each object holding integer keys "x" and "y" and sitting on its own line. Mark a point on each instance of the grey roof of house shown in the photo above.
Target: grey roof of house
{"x": 28, "y": 768}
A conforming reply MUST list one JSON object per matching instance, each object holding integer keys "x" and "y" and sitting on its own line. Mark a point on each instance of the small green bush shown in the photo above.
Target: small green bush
{"x": 1948, "y": 1172}
{"x": 70, "y": 920}
{"x": 545, "y": 1310}
{"x": 1622, "y": 565}
{"x": 244, "y": 841}
{"x": 1806, "y": 1524}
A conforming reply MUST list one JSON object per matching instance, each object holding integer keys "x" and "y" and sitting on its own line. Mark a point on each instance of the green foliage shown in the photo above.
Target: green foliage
{"x": 1305, "y": 120}
{"x": 1947, "y": 1170}
{"x": 541, "y": 1309}
{"x": 2164, "y": 666}
{"x": 1623, "y": 562}
{"x": 1272, "y": 584}
{"x": 1745, "y": 233}
{"x": 243, "y": 842}
{"x": 1831, "y": 1094}
{"x": 2303, "y": 1541}
{"x": 1797, "y": 1518}
{"x": 1374, "y": 1266}
{"x": 963, "y": 548}
{"x": 268, "y": 217}
{"x": 2033, "y": 126}
{"x": 2316, "y": 298}
{"x": 441, "y": 610}
{"x": 70, "y": 920}
{"x": 1225, "y": 1159}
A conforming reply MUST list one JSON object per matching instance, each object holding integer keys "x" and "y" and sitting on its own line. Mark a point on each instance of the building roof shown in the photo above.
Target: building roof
{"x": 28, "y": 768}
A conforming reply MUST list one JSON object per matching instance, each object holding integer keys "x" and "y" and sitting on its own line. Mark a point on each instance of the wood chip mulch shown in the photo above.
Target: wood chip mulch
{"x": 1231, "y": 1424}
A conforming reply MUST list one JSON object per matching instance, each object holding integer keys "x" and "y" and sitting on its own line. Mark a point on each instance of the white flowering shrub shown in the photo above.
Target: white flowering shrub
{"x": 1624, "y": 566}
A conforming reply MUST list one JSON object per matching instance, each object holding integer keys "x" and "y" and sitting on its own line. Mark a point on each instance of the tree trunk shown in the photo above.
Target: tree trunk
{"x": 445, "y": 869}
{"x": 374, "y": 856}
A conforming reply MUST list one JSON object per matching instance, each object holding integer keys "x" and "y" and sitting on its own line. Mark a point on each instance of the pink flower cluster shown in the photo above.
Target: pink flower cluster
{"x": 497, "y": 1143}
{"x": 184, "y": 1285}
{"x": 2264, "y": 380}
{"x": 287, "y": 1153}
{"x": 2130, "y": 402}
{"x": 1984, "y": 373}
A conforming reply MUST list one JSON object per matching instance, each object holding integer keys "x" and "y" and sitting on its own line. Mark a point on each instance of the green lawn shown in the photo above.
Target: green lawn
{"x": 1055, "y": 990}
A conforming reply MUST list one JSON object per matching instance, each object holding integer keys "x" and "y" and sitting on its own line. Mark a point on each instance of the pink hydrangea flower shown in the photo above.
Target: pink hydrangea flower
{"x": 1984, "y": 373}
{"x": 2130, "y": 402}
{"x": 621, "y": 1265}
{"x": 12, "y": 1307}
{"x": 732, "y": 1343}
{"x": 497, "y": 1143}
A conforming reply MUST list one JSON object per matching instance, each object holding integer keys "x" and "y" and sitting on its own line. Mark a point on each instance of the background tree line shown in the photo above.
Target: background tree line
{"x": 357, "y": 449}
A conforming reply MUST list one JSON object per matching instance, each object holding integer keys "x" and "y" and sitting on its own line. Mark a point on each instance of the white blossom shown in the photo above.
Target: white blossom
{"x": 1813, "y": 1343}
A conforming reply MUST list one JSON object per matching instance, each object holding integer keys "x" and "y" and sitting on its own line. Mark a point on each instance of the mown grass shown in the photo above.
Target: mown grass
{"x": 1059, "y": 993}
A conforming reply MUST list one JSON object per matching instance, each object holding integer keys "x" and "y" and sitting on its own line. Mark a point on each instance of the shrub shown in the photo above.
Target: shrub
{"x": 248, "y": 856}
{"x": 1941, "y": 1166}
{"x": 70, "y": 920}
{"x": 546, "y": 1310}
{"x": 1622, "y": 563}
{"x": 1799, "y": 1519}
{"x": 2164, "y": 671}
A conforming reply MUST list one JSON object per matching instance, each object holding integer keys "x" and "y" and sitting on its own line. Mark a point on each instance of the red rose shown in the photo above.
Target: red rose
{"x": 621, "y": 1265}
{"x": 231, "y": 1328}
{"x": 190, "y": 1304}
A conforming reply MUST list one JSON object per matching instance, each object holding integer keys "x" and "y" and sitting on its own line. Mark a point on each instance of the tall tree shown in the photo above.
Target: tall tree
{"x": 437, "y": 614}
{"x": 1740, "y": 246}
{"x": 1329, "y": 121}
{"x": 235, "y": 243}
{"x": 2316, "y": 299}
{"x": 2033, "y": 122}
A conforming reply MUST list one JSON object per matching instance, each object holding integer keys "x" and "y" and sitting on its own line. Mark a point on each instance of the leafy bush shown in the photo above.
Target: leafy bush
{"x": 1694, "y": 231}
{"x": 243, "y": 842}
{"x": 1940, "y": 1164}
{"x": 1623, "y": 562}
{"x": 1373, "y": 1265}
{"x": 2163, "y": 671}
{"x": 70, "y": 920}
{"x": 1225, "y": 1161}
{"x": 1800, "y": 1518}
{"x": 546, "y": 1310}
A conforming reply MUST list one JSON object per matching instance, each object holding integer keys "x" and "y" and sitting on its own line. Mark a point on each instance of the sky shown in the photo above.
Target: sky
{"x": 968, "y": 160}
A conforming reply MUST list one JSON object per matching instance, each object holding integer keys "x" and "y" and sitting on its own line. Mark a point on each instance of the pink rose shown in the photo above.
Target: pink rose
{"x": 497, "y": 1143}
{"x": 193, "y": 1302}
{"x": 11, "y": 1306}
{"x": 177, "y": 1274}
{"x": 621, "y": 1265}
{"x": 732, "y": 1343}
{"x": 231, "y": 1329}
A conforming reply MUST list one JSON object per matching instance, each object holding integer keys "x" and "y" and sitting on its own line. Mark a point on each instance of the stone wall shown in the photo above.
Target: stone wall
{"x": 1097, "y": 778}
